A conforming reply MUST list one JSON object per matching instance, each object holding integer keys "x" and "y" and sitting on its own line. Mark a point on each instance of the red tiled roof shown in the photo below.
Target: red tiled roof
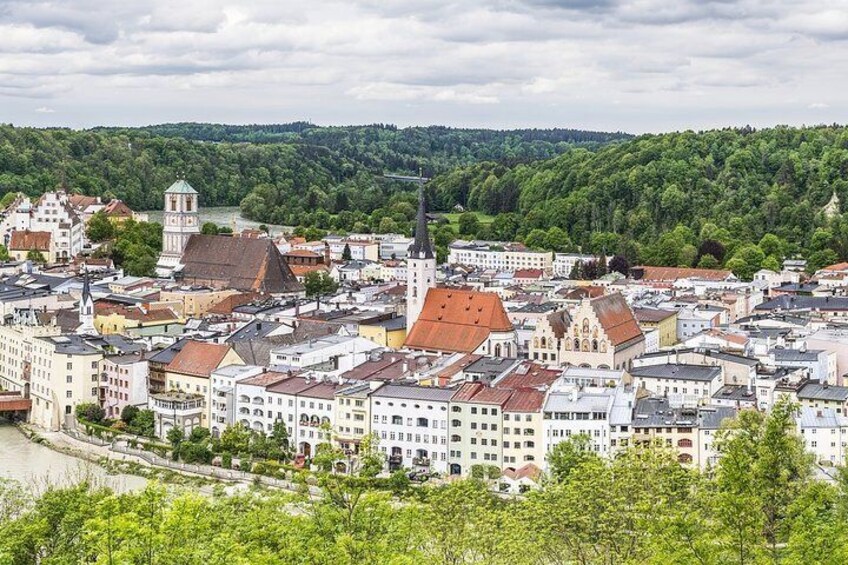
{"x": 198, "y": 358}
{"x": 529, "y": 375}
{"x": 650, "y": 273}
{"x": 836, "y": 267}
{"x": 117, "y": 208}
{"x": 265, "y": 379}
{"x": 301, "y": 270}
{"x": 525, "y": 400}
{"x": 30, "y": 240}
{"x": 616, "y": 318}
{"x": 294, "y": 385}
{"x": 457, "y": 320}
{"x": 302, "y": 253}
{"x": 81, "y": 201}
{"x": 528, "y": 274}
{"x": 225, "y": 306}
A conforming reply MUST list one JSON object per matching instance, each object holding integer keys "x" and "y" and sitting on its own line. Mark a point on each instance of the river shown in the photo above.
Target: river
{"x": 38, "y": 466}
{"x": 223, "y": 216}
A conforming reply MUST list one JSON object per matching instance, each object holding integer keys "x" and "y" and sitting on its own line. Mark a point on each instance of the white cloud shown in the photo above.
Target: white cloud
{"x": 44, "y": 110}
{"x": 636, "y": 65}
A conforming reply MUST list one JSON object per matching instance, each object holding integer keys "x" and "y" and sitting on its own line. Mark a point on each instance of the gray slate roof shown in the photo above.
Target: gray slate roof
{"x": 678, "y": 371}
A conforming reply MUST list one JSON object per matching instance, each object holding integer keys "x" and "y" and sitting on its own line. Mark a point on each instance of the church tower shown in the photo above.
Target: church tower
{"x": 86, "y": 309}
{"x": 180, "y": 222}
{"x": 420, "y": 266}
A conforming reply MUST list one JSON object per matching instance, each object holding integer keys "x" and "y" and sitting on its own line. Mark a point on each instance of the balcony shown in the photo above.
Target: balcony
{"x": 421, "y": 461}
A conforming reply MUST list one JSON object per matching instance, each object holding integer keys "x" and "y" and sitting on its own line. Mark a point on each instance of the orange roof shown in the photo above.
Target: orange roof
{"x": 302, "y": 253}
{"x": 836, "y": 267}
{"x": 117, "y": 208}
{"x": 225, "y": 306}
{"x": 616, "y": 318}
{"x": 528, "y": 274}
{"x": 30, "y": 240}
{"x": 457, "y": 320}
{"x": 525, "y": 400}
{"x": 529, "y": 375}
{"x": 198, "y": 358}
{"x": 650, "y": 273}
{"x": 81, "y": 201}
{"x": 481, "y": 394}
{"x": 301, "y": 270}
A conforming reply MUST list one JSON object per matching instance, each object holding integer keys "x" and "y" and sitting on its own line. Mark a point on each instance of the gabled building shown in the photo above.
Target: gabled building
{"x": 463, "y": 321}
{"x": 238, "y": 263}
{"x": 189, "y": 371}
{"x": 602, "y": 333}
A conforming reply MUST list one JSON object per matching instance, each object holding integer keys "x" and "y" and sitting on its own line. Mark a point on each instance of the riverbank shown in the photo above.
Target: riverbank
{"x": 117, "y": 458}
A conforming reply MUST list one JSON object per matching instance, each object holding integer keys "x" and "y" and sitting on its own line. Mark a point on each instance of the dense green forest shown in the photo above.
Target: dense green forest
{"x": 658, "y": 198}
{"x": 738, "y": 198}
{"x": 760, "y": 504}
{"x": 387, "y": 148}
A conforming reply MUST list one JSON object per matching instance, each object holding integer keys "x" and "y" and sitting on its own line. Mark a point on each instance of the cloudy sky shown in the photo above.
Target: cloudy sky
{"x": 638, "y": 66}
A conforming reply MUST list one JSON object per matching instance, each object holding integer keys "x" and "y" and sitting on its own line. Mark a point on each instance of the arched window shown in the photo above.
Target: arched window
{"x": 585, "y": 326}
{"x": 188, "y": 203}
{"x": 684, "y": 458}
{"x": 576, "y": 345}
{"x": 529, "y": 444}
{"x": 544, "y": 343}
{"x": 173, "y": 204}
{"x": 455, "y": 438}
{"x": 585, "y": 345}
{"x": 684, "y": 443}
{"x": 536, "y": 342}
{"x": 456, "y": 423}
{"x": 497, "y": 350}
{"x": 594, "y": 346}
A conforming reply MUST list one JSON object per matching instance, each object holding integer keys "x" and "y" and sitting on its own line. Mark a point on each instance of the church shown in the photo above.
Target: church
{"x": 450, "y": 320}
{"x": 217, "y": 261}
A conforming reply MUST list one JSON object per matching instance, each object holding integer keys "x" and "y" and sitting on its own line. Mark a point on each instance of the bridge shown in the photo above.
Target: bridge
{"x": 14, "y": 406}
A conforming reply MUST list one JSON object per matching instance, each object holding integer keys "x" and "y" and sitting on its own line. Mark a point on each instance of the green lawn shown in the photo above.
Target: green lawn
{"x": 484, "y": 219}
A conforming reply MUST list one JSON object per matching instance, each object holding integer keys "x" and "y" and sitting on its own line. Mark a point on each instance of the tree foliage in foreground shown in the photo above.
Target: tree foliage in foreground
{"x": 758, "y": 505}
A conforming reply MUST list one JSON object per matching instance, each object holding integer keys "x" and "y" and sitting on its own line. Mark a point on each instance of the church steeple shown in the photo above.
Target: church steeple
{"x": 86, "y": 308}
{"x": 420, "y": 265}
{"x": 421, "y": 248}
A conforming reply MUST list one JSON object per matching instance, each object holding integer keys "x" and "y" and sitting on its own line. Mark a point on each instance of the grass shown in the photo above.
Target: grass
{"x": 483, "y": 219}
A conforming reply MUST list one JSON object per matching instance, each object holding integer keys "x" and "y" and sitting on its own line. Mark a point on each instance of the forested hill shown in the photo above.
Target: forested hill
{"x": 387, "y": 148}
{"x": 658, "y": 197}
{"x": 296, "y": 168}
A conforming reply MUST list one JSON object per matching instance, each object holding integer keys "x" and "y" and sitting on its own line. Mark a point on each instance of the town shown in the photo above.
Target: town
{"x": 479, "y": 366}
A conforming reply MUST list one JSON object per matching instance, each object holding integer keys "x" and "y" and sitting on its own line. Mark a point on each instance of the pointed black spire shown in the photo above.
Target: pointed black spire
{"x": 421, "y": 247}
{"x": 86, "y": 291}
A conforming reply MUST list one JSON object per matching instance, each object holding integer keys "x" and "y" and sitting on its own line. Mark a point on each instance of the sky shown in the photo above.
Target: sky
{"x": 636, "y": 66}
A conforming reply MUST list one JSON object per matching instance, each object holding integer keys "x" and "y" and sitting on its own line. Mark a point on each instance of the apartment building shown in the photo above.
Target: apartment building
{"x": 683, "y": 385}
{"x": 123, "y": 382}
{"x": 498, "y": 256}
{"x": 476, "y": 429}
{"x": 65, "y": 373}
{"x": 412, "y": 424}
